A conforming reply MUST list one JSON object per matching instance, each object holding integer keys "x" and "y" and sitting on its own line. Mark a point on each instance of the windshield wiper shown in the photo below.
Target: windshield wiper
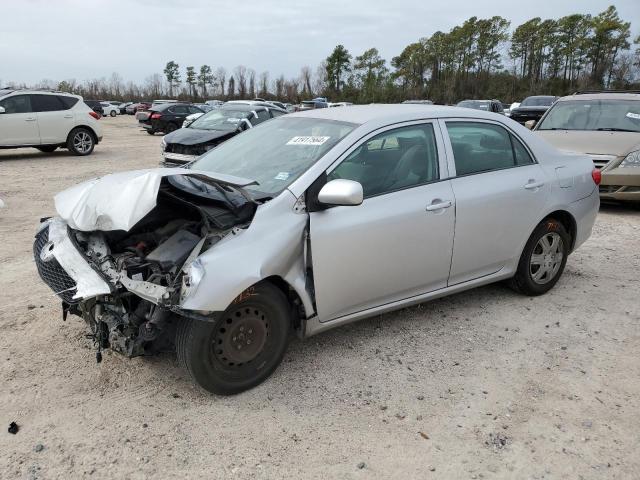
{"x": 613, "y": 129}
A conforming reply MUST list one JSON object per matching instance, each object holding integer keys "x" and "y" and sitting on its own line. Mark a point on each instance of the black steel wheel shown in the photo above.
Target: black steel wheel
{"x": 242, "y": 347}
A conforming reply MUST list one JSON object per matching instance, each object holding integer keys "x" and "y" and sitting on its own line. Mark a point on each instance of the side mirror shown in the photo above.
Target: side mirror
{"x": 530, "y": 124}
{"x": 341, "y": 192}
{"x": 2, "y": 110}
{"x": 246, "y": 124}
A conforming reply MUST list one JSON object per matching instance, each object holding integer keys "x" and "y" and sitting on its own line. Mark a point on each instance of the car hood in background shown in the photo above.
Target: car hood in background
{"x": 120, "y": 200}
{"x": 592, "y": 142}
{"x": 193, "y": 136}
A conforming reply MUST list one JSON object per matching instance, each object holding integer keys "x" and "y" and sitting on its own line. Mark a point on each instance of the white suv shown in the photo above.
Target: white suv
{"x": 47, "y": 120}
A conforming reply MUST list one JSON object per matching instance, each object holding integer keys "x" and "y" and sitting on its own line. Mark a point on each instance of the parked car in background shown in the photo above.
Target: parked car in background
{"x": 137, "y": 107}
{"x": 95, "y": 105}
{"x": 205, "y": 107}
{"x": 162, "y": 102}
{"x": 494, "y": 106}
{"x": 340, "y": 104}
{"x": 312, "y": 104}
{"x": 532, "y": 108}
{"x": 47, "y": 121}
{"x": 213, "y": 128}
{"x": 123, "y": 107}
{"x": 109, "y": 109}
{"x": 606, "y": 127}
{"x": 214, "y": 103}
{"x": 418, "y": 102}
{"x": 191, "y": 118}
{"x": 165, "y": 117}
{"x": 294, "y": 226}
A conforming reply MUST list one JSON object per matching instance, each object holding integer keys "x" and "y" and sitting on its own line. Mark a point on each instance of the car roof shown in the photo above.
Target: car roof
{"x": 602, "y": 96}
{"x": 390, "y": 113}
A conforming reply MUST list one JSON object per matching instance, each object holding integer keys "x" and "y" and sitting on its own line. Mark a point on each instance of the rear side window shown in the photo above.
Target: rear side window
{"x": 276, "y": 113}
{"x": 483, "y": 147}
{"x": 68, "y": 102}
{"x": 179, "y": 109}
{"x": 394, "y": 160}
{"x": 17, "y": 104}
{"x": 47, "y": 103}
{"x": 262, "y": 116}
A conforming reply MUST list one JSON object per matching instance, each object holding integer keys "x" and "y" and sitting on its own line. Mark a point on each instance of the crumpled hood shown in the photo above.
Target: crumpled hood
{"x": 193, "y": 136}
{"x": 120, "y": 200}
{"x": 592, "y": 142}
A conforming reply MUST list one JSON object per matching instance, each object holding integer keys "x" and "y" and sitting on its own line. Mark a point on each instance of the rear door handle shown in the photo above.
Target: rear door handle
{"x": 439, "y": 206}
{"x": 532, "y": 185}
{"x": 68, "y": 116}
{"x": 30, "y": 119}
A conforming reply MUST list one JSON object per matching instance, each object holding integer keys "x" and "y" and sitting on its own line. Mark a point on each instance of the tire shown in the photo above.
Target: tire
{"x": 113, "y": 113}
{"x": 47, "y": 148}
{"x": 151, "y": 132}
{"x": 543, "y": 259}
{"x": 170, "y": 128}
{"x": 81, "y": 141}
{"x": 212, "y": 351}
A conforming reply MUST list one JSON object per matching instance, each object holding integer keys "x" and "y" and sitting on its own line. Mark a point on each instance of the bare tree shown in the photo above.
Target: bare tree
{"x": 231, "y": 88}
{"x": 279, "y": 87}
{"x": 252, "y": 83}
{"x": 221, "y": 79}
{"x": 240, "y": 73}
{"x": 305, "y": 79}
{"x": 264, "y": 84}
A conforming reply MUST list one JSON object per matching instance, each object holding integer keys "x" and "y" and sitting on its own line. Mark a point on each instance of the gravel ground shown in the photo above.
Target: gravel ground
{"x": 483, "y": 384}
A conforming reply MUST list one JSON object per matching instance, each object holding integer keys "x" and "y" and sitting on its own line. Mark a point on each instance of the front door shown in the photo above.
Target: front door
{"x": 18, "y": 123}
{"x": 395, "y": 245}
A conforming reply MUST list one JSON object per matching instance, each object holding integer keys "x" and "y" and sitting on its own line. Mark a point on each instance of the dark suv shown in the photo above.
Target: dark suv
{"x": 95, "y": 105}
{"x": 167, "y": 117}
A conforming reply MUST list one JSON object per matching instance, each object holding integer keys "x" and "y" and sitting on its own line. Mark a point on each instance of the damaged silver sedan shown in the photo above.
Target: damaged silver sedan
{"x": 307, "y": 222}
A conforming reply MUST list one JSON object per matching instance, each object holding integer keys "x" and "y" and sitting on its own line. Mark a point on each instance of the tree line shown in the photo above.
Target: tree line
{"x": 482, "y": 58}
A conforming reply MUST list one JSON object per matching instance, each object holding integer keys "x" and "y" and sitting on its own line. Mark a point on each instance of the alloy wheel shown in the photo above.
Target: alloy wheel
{"x": 82, "y": 142}
{"x": 546, "y": 258}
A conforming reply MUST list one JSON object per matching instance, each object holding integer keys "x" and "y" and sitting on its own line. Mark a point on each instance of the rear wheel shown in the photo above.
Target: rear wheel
{"x": 151, "y": 131}
{"x": 543, "y": 259}
{"x": 170, "y": 128}
{"x": 81, "y": 141}
{"x": 47, "y": 148}
{"x": 113, "y": 113}
{"x": 242, "y": 347}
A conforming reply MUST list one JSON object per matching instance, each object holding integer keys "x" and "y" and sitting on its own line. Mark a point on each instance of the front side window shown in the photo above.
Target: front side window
{"x": 275, "y": 153}
{"x": 603, "y": 115}
{"x": 483, "y": 147}
{"x": 47, "y": 103}
{"x": 262, "y": 116}
{"x": 396, "y": 159}
{"x": 179, "y": 110}
{"x": 17, "y": 104}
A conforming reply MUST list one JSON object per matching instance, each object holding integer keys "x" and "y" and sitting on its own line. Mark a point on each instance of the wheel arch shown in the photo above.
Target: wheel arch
{"x": 568, "y": 222}
{"x": 299, "y": 312}
{"x": 91, "y": 130}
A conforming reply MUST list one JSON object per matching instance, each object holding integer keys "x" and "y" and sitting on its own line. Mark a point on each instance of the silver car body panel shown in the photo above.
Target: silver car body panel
{"x": 389, "y": 252}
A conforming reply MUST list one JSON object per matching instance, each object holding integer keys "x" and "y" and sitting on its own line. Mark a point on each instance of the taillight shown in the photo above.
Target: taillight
{"x": 94, "y": 115}
{"x": 155, "y": 116}
{"x": 596, "y": 175}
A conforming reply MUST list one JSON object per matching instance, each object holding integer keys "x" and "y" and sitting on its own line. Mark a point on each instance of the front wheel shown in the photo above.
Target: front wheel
{"x": 242, "y": 347}
{"x": 543, "y": 259}
{"x": 81, "y": 141}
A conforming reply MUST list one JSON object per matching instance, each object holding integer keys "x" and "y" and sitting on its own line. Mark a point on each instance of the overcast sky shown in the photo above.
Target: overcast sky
{"x": 85, "y": 39}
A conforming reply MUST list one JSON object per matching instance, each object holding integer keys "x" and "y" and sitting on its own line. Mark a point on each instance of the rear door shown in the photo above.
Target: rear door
{"x": 55, "y": 120}
{"x": 395, "y": 245}
{"x": 18, "y": 124}
{"x": 500, "y": 192}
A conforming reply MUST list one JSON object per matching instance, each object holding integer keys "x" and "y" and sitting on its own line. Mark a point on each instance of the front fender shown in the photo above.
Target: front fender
{"x": 272, "y": 245}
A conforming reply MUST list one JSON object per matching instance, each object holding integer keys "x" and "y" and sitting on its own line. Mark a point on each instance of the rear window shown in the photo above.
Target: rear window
{"x": 68, "y": 102}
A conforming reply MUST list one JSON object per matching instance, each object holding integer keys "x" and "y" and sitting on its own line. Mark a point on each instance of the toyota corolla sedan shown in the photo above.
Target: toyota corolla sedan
{"x": 308, "y": 222}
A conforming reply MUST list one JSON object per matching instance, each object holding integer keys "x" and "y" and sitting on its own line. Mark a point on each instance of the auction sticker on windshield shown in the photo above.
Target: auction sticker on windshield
{"x": 311, "y": 140}
{"x": 635, "y": 116}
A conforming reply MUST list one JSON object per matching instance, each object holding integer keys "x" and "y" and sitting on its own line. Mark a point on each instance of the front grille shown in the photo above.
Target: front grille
{"x": 185, "y": 149}
{"x": 51, "y": 272}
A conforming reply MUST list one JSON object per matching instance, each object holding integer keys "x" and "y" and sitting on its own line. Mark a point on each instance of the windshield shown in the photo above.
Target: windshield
{"x": 622, "y": 115}
{"x": 537, "y": 102}
{"x": 225, "y": 120}
{"x": 276, "y": 152}
{"x": 476, "y": 104}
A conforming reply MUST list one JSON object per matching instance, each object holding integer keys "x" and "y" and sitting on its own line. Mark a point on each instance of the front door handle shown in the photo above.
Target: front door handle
{"x": 532, "y": 185}
{"x": 439, "y": 206}
{"x": 30, "y": 119}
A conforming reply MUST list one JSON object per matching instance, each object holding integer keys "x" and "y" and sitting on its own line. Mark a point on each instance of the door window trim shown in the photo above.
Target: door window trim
{"x": 443, "y": 173}
{"x": 449, "y": 147}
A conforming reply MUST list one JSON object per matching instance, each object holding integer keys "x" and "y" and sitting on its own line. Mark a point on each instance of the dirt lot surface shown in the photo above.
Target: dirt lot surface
{"x": 483, "y": 384}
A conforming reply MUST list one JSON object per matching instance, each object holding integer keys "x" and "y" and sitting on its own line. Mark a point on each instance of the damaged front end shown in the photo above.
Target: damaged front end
{"x": 128, "y": 284}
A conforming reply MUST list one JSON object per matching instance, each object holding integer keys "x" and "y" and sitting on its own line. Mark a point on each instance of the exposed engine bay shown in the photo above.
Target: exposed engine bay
{"x": 146, "y": 268}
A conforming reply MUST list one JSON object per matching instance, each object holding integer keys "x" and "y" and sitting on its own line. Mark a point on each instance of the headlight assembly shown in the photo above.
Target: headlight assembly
{"x": 631, "y": 160}
{"x": 192, "y": 278}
